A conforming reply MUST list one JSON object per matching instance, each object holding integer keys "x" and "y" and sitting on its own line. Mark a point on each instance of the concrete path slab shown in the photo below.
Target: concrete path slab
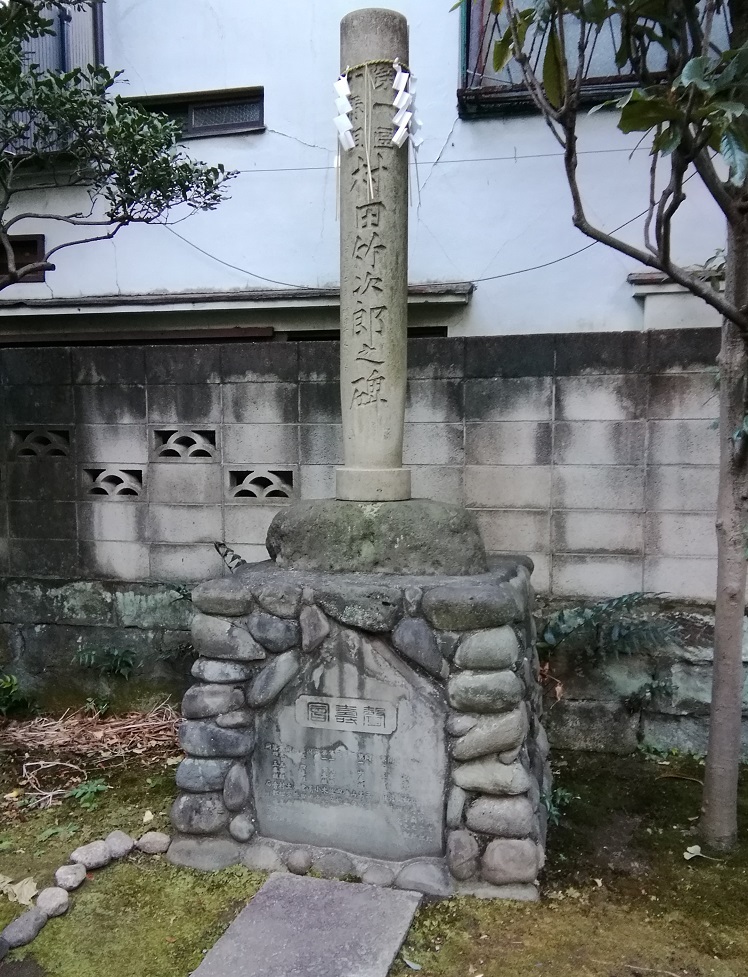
{"x": 298, "y": 926}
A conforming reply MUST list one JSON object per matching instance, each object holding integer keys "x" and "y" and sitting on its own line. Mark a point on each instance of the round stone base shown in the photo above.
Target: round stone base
{"x": 417, "y": 536}
{"x": 373, "y": 484}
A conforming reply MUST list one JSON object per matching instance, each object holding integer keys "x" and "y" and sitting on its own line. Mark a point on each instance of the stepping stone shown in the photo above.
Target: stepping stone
{"x": 298, "y": 926}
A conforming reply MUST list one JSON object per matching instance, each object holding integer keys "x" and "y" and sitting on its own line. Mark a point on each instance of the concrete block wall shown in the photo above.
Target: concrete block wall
{"x": 593, "y": 453}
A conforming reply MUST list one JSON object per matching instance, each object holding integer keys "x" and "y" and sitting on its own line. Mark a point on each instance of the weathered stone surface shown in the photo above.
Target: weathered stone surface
{"x": 483, "y": 890}
{"x": 236, "y": 719}
{"x": 263, "y": 858}
{"x": 417, "y": 536}
{"x": 541, "y": 741}
{"x": 215, "y": 638}
{"x": 469, "y": 606}
{"x": 227, "y": 596}
{"x": 606, "y": 727}
{"x": 93, "y": 855}
{"x": 455, "y": 806}
{"x": 412, "y": 597}
{"x": 204, "y": 739}
{"x": 490, "y": 776}
{"x": 200, "y": 776}
{"x": 492, "y": 734}
{"x": 274, "y": 677}
{"x": 414, "y": 639}
{"x": 4, "y": 949}
{"x": 236, "y": 788}
{"x": 119, "y": 845}
{"x": 299, "y": 861}
{"x": 199, "y": 814}
{"x": 208, "y": 670}
{"x": 358, "y": 785}
{"x": 507, "y": 817}
{"x": 153, "y": 843}
{"x": 335, "y": 865}
{"x": 484, "y": 691}
{"x": 299, "y": 926}
{"x": 24, "y": 928}
{"x": 201, "y": 701}
{"x": 314, "y": 628}
{"x": 363, "y": 606}
{"x": 462, "y": 854}
{"x": 241, "y": 827}
{"x": 494, "y": 649}
{"x": 381, "y": 875}
{"x": 430, "y": 878}
{"x": 459, "y": 723}
{"x": 279, "y": 597}
{"x": 509, "y": 756}
{"x": 274, "y": 633}
{"x": 54, "y": 901}
{"x": 205, "y": 854}
{"x": 507, "y": 861}
{"x": 447, "y": 642}
{"x": 69, "y": 877}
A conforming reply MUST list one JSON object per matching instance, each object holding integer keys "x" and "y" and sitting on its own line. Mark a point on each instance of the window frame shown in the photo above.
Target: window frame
{"x": 191, "y": 100}
{"x": 38, "y": 240}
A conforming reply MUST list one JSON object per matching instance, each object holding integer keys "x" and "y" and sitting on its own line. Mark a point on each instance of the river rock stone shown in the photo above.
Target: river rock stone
{"x": 69, "y": 877}
{"x": 446, "y": 642}
{"x": 153, "y": 843}
{"x": 462, "y": 854}
{"x": 241, "y": 827}
{"x": 484, "y": 691}
{"x": 93, "y": 855}
{"x": 493, "y": 649}
{"x": 235, "y": 719}
{"x": 276, "y": 634}
{"x": 358, "y": 605}
{"x": 199, "y": 814}
{"x": 509, "y": 756}
{"x": 455, "y": 806}
{"x": 430, "y": 878}
{"x": 491, "y": 776}
{"x": 274, "y": 677}
{"x": 236, "y": 788}
{"x": 4, "y": 949}
{"x": 412, "y": 597}
{"x": 204, "y": 739}
{"x": 119, "y": 845}
{"x": 201, "y": 776}
{"x": 507, "y": 817}
{"x": 414, "y": 639}
{"x": 24, "y": 928}
{"x": 205, "y": 854}
{"x": 314, "y": 628}
{"x": 417, "y": 536}
{"x": 469, "y": 606}
{"x": 492, "y": 734}
{"x": 208, "y": 670}
{"x": 335, "y": 865}
{"x": 54, "y": 901}
{"x": 263, "y": 858}
{"x": 507, "y": 861}
{"x": 227, "y": 596}
{"x": 279, "y": 597}
{"x": 201, "y": 701}
{"x": 517, "y": 893}
{"x": 459, "y": 723}
{"x": 299, "y": 861}
{"x": 215, "y": 638}
{"x": 381, "y": 875}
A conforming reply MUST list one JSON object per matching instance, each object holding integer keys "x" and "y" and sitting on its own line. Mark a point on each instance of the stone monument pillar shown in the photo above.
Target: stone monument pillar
{"x": 373, "y": 263}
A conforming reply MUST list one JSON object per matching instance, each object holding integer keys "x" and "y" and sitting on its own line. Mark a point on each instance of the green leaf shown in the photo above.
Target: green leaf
{"x": 694, "y": 74}
{"x": 643, "y": 112}
{"x": 554, "y": 69}
{"x": 667, "y": 140}
{"x": 733, "y": 150}
{"x": 502, "y": 51}
{"x": 497, "y": 6}
{"x": 456, "y": 5}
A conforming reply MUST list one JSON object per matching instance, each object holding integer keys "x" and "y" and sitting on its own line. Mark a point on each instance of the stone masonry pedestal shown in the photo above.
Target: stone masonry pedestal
{"x": 383, "y": 727}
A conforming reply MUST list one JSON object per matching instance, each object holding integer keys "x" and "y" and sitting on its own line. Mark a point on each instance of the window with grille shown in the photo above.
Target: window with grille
{"x": 75, "y": 40}
{"x": 213, "y": 113}
{"x": 27, "y": 250}
{"x": 485, "y": 90}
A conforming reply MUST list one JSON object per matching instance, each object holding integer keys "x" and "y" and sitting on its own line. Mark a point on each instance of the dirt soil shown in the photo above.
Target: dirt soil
{"x": 619, "y": 899}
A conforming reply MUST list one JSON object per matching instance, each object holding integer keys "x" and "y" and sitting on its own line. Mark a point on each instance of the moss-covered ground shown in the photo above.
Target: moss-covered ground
{"x": 619, "y": 900}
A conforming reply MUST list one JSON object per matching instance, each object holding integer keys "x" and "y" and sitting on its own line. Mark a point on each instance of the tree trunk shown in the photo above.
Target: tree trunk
{"x": 719, "y": 806}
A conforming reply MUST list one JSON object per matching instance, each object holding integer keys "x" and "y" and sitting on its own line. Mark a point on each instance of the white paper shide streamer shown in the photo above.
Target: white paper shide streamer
{"x": 405, "y": 121}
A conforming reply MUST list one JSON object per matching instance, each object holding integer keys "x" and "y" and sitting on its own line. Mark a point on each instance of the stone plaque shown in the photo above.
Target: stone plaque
{"x": 352, "y": 755}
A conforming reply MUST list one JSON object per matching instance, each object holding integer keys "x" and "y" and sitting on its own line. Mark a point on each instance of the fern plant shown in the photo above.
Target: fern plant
{"x": 12, "y": 699}
{"x": 119, "y": 662}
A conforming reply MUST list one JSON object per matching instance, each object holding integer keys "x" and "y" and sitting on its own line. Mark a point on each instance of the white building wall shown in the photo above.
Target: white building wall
{"x": 492, "y": 200}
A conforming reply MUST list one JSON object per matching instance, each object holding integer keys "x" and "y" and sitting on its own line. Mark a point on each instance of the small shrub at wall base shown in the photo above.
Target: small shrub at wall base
{"x": 119, "y": 662}
{"x": 86, "y": 793}
{"x": 12, "y": 699}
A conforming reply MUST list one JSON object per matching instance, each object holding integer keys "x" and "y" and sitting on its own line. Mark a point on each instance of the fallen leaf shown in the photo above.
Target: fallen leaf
{"x": 411, "y": 964}
{"x": 147, "y": 817}
{"x": 693, "y": 851}
{"x": 21, "y": 892}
